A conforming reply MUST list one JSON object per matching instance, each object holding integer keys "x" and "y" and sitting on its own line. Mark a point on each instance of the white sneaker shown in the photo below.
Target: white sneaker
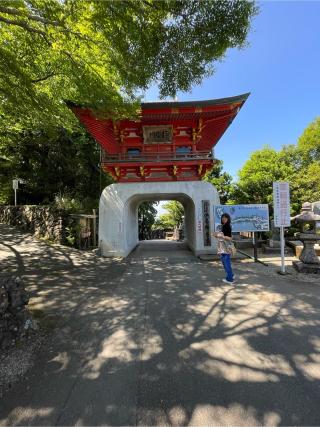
{"x": 227, "y": 281}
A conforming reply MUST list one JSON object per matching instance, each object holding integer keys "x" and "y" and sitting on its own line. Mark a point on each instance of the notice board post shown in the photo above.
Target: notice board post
{"x": 281, "y": 206}
{"x": 255, "y": 247}
{"x": 15, "y": 186}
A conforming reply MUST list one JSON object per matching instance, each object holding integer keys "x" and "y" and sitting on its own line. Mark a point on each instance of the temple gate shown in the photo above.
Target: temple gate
{"x": 162, "y": 155}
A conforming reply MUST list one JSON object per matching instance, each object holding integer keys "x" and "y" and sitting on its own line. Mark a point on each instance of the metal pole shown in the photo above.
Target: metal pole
{"x": 283, "y": 268}
{"x": 255, "y": 247}
{"x": 15, "y": 197}
{"x": 251, "y": 257}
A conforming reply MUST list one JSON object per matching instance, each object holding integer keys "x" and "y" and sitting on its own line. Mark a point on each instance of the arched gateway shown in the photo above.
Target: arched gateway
{"x": 118, "y": 212}
{"x": 163, "y": 155}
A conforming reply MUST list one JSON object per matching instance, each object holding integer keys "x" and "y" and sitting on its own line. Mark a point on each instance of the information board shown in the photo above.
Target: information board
{"x": 249, "y": 218}
{"x": 281, "y": 204}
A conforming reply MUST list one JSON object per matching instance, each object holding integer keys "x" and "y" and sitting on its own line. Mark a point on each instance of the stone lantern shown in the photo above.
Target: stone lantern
{"x": 309, "y": 261}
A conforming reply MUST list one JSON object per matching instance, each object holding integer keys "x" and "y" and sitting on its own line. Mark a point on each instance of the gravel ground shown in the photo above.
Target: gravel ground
{"x": 274, "y": 266}
{"x": 17, "y": 359}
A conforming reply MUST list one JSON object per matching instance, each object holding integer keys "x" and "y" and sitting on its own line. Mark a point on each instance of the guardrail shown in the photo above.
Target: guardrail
{"x": 155, "y": 157}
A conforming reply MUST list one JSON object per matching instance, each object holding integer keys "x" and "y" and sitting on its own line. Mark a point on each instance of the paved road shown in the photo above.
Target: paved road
{"x": 158, "y": 339}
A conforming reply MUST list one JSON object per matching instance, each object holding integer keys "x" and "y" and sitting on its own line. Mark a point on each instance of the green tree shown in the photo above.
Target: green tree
{"x": 306, "y": 186}
{"x": 297, "y": 164}
{"x": 52, "y": 163}
{"x": 258, "y": 174}
{"x": 172, "y": 218}
{"x": 103, "y": 53}
{"x": 309, "y": 143}
{"x": 222, "y": 181}
{"x": 146, "y": 218}
{"x": 304, "y": 158}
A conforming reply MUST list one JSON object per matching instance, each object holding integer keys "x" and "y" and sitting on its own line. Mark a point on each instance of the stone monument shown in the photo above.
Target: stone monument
{"x": 309, "y": 261}
{"x": 273, "y": 244}
{"x": 316, "y": 207}
{"x": 15, "y": 319}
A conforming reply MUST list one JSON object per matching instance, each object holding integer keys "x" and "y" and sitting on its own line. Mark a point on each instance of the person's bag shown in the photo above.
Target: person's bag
{"x": 231, "y": 248}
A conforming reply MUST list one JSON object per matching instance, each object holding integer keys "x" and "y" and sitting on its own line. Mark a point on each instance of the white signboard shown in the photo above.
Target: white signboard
{"x": 281, "y": 204}
{"x": 199, "y": 220}
{"x": 15, "y": 184}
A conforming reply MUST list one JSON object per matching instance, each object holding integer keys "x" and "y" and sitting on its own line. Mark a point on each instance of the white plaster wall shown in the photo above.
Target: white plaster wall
{"x": 118, "y": 213}
{"x": 189, "y": 222}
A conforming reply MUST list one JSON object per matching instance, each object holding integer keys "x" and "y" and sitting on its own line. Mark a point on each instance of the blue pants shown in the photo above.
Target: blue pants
{"x": 226, "y": 262}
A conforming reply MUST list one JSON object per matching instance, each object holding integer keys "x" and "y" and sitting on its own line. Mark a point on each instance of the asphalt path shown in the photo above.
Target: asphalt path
{"x": 159, "y": 339}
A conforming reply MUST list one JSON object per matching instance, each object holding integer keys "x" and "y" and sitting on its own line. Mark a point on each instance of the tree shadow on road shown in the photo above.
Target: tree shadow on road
{"x": 161, "y": 341}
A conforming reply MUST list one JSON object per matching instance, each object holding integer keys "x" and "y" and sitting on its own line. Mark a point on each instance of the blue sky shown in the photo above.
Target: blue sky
{"x": 281, "y": 69}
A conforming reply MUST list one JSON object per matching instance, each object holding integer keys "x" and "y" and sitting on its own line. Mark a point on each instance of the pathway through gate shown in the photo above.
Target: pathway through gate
{"x": 163, "y": 249}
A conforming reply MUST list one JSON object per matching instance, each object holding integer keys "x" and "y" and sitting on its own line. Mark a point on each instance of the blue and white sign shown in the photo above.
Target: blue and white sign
{"x": 251, "y": 218}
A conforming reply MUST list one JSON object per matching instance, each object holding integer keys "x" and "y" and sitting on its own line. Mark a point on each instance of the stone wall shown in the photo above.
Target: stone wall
{"x": 42, "y": 221}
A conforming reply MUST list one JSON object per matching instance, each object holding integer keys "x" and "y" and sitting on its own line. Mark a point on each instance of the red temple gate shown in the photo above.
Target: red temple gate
{"x": 171, "y": 141}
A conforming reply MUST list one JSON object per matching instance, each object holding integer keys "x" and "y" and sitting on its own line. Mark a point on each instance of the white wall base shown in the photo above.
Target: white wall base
{"x": 118, "y": 213}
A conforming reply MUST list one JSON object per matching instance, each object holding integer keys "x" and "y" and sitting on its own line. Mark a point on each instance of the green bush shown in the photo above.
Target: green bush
{"x": 67, "y": 203}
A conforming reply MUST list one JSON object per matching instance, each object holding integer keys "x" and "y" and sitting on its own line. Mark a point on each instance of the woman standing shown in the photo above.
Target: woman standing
{"x": 224, "y": 239}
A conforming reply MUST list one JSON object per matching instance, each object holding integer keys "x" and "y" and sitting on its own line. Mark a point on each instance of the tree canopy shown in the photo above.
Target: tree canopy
{"x": 257, "y": 175}
{"x": 221, "y": 180}
{"x": 147, "y": 213}
{"x": 60, "y": 163}
{"x": 297, "y": 164}
{"x": 104, "y": 53}
{"x": 172, "y": 218}
{"x": 309, "y": 142}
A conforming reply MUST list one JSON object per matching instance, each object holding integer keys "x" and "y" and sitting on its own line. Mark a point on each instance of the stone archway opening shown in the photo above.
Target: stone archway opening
{"x": 161, "y": 219}
{"x": 118, "y": 213}
{"x": 189, "y": 215}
